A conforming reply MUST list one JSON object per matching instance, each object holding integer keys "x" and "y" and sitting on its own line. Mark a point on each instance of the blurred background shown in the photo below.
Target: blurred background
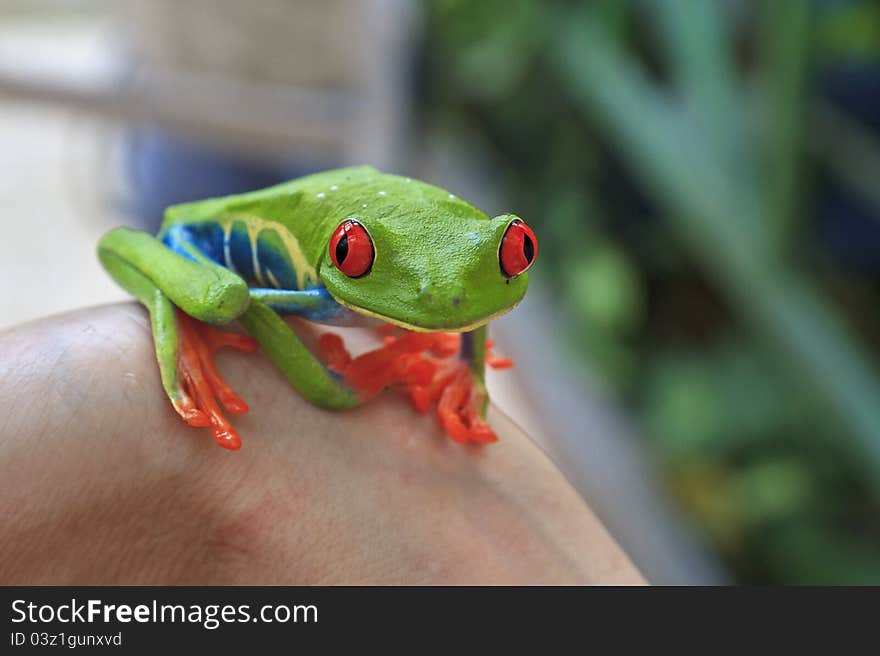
{"x": 699, "y": 348}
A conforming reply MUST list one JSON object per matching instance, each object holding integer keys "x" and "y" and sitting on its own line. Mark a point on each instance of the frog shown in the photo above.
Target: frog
{"x": 345, "y": 247}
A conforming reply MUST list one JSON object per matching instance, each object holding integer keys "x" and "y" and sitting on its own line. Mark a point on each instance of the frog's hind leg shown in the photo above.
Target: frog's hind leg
{"x": 184, "y": 346}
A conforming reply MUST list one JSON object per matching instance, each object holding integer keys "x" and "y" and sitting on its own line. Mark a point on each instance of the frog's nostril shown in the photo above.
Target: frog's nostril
{"x": 431, "y": 294}
{"x": 426, "y": 294}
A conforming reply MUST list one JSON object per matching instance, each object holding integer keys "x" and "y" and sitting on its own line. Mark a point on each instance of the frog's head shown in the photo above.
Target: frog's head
{"x": 430, "y": 274}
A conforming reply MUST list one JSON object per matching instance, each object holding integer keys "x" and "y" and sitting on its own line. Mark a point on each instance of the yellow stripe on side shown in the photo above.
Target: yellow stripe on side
{"x": 306, "y": 276}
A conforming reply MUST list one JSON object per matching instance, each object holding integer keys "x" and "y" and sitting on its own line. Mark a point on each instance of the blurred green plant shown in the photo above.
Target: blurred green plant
{"x": 666, "y": 151}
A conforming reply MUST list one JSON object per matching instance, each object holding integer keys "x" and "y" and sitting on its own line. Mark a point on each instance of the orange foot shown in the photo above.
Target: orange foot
{"x": 201, "y": 383}
{"x": 427, "y": 367}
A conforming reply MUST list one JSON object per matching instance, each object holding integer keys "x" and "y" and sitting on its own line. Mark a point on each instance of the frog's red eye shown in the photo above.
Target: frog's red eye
{"x": 518, "y": 249}
{"x": 351, "y": 249}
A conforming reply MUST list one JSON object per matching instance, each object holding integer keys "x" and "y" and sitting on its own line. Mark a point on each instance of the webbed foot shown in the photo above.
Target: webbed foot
{"x": 428, "y": 367}
{"x": 201, "y": 383}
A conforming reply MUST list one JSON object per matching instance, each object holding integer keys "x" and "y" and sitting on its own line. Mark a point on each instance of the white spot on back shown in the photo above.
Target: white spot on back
{"x": 321, "y": 195}
{"x": 364, "y": 206}
{"x": 451, "y": 196}
{"x": 381, "y": 193}
{"x": 334, "y": 187}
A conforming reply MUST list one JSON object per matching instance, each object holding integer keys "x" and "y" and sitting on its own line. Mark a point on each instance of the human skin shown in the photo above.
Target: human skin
{"x": 102, "y": 483}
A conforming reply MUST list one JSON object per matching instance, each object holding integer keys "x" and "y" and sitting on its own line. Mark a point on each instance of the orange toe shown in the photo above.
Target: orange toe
{"x": 202, "y": 385}
{"x": 427, "y": 367}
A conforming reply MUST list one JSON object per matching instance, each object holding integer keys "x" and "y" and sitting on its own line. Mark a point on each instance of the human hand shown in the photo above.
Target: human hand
{"x": 102, "y": 483}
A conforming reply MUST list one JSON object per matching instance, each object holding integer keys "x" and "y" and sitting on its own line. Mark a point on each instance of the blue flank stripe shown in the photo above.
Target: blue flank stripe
{"x": 208, "y": 238}
{"x": 312, "y": 304}
{"x": 271, "y": 260}
{"x": 240, "y": 252}
{"x": 207, "y": 242}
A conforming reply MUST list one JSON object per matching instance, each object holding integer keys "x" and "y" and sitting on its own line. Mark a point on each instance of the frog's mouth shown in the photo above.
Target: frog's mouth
{"x": 420, "y": 328}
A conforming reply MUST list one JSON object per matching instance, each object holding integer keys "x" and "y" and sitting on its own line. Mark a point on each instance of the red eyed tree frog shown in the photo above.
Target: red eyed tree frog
{"x": 347, "y": 247}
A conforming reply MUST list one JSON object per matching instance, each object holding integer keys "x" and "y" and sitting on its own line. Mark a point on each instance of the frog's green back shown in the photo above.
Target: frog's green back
{"x": 312, "y": 206}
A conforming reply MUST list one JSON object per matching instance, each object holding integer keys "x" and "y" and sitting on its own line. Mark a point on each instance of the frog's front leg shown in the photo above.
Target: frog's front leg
{"x": 161, "y": 280}
{"x": 463, "y": 402}
{"x": 442, "y": 368}
{"x": 298, "y": 364}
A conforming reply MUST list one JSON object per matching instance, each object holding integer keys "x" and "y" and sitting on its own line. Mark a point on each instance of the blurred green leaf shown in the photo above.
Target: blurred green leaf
{"x": 772, "y": 489}
{"x": 696, "y": 38}
{"x": 604, "y": 289}
{"x": 714, "y": 403}
{"x": 708, "y": 209}
{"x": 671, "y": 107}
{"x": 850, "y": 30}
{"x": 852, "y": 153}
{"x": 684, "y": 407}
{"x": 491, "y": 42}
{"x": 785, "y": 47}
{"x": 805, "y": 554}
